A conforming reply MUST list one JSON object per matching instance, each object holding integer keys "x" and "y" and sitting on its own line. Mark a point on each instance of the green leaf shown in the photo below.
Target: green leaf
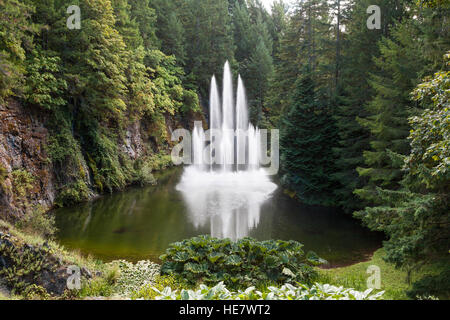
{"x": 213, "y": 257}
{"x": 233, "y": 260}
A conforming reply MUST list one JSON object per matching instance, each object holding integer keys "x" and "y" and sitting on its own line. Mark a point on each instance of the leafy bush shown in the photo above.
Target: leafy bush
{"x": 286, "y": 292}
{"x": 22, "y": 183}
{"x": 73, "y": 194}
{"x": 134, "y": 276}
{"x": 97, "y": 287}
{"x": 45, "y": 86}
{"x": 432, "y": 285}
{"x": 159, "y": 161}
{"x": 242, "y": 263}
{"x": 148, "y": 292}
{"x": 22, "y": 265}
{"x": 102, "y": 286}
{"x": 38, "y": 222}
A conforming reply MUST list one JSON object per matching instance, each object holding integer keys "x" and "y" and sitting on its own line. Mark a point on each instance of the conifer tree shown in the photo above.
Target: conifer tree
{"x": 359, "y": 48}
{"x": 305, "y": 42}
{"x": 170, "y": 30}
{"x": 146, "y": 18}
{"x": 206, "y": 52}
{"x": 305, "y": 151}
{"x": 16, "y": 32}
{"x": 254, "y": 55}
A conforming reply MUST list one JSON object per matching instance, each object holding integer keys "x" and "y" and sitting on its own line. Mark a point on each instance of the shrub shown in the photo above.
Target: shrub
{"x": 286, "y": 292}
{"x": 38, "y": 222}
{"x": 243, "y": 263}
{"x": 23, "y": 265}
{"x": 73, "y": 194}
{"x": 97, "y": 287}
{"x": 144, "y": 176}
{"x": 432, "y": 285}
{"x": 103, "y": 286}
{"x": 22, "y": 183}
{"x": 159, "y": 161}
{"x": 134, "y": 276}
{"x": 3, "y": 176}
{"x": 148, "y": 292}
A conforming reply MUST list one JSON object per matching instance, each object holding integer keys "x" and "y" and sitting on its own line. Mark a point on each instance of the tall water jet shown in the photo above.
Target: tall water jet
{"x": 198, "y": 146}
{"x": 241, "y": 124}
{"x": 253, "y": 147}
{"x": 227, "y": 119}
{"x": 215, "y": 122}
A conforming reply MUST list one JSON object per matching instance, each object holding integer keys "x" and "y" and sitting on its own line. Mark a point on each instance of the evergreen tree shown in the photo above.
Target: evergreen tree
{"x": 259, "y": 71}
{"x": 254, "y": 55}
{"x": 286, "y": 69}
{"x": 145, "y": 17}
{"x": 16, "y": 32}
{"x": 170, "y": 30}
{"x": 206, "y": 52}
{"x": 305, "y": 153}
{"x": 359, "y": 48}
{"x": 279, "y": 22}
{"x": 305, "y": 42}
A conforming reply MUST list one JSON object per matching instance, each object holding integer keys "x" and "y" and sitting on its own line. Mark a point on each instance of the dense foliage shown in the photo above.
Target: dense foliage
{"x": 22, "y": 265}
{"x": 242, "y": 263}
{"x": 416, "y": 217}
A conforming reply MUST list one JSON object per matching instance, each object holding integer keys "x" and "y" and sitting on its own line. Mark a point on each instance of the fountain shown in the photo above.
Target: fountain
{"x": 225, "y": 187}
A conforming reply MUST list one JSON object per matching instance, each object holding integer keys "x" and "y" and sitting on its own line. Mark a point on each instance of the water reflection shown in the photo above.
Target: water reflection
{"x": 229, "y": 203}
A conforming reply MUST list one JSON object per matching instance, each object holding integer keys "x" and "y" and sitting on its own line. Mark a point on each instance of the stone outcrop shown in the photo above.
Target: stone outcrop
{"x": 26, "y": 265}
{"x": 22, "y": 147}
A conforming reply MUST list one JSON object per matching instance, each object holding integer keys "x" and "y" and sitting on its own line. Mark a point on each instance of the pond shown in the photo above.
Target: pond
{"x": 140, "y": 223}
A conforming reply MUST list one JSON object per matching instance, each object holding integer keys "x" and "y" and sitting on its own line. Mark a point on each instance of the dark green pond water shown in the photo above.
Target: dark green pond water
{"x": 140, "y": 223}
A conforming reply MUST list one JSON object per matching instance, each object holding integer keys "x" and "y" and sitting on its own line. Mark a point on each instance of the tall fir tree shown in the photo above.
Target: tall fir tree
{"x": 359, "y": 48}
{"x": 206, "y": 52}
{"x": 253, "y": 53}
{"x": 170, "y": 30}
{"x": 305, "y": 145}
{"x": 304, "y": 42}
{"x": 15, "y": 37}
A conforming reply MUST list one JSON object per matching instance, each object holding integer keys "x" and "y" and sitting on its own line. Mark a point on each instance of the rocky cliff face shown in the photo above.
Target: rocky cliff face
{"x": 26, "y": 175}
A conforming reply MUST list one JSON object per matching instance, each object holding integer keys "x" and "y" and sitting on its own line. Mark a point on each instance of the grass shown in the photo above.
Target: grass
{"x": 22, "y": 237}
{"x": 393, "y": 281}
{"x": 73, "y": 257}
